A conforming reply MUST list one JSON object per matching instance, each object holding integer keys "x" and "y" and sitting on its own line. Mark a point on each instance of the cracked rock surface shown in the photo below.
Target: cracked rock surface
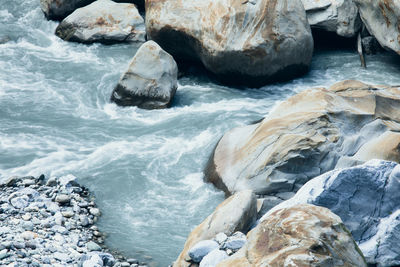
{"x": 367, "y": 199}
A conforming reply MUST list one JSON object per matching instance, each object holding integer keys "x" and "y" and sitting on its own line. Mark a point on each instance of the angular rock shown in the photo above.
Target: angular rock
{"x": 59, "y": 9}
{"x": 201, "y": 249}
{"x": 381, "y": 17}
{"x": 213, "y": 258}
{"x": 250, "y": 42}
{"x": 302, "y": 235}
{"x": 103, "y": 21}
{"x": 307, "y": 135}
{"x": 150, "y": 81}
{"x": 338, "y": 16}
{"x": 366, "y": 198}
{"x": 237, "y": 213}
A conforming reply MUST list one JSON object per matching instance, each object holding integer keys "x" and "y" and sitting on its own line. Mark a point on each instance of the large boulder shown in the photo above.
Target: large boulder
{"x": 302, "y": 235}
{"x": 338, "y": 16}
{"x": 150, "y": 81}
{"x": 249, "y": 42}
{"x": 307, "y": 135}
{"x": 103, "y": 21}
{"x": 381, "y": 17}
{"x": 236, "y": 213}
{"x": 59, "y": 9}
{"x": 367, "y": 199}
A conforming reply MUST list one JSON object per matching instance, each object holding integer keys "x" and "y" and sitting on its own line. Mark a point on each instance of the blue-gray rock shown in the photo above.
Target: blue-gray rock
{"x": 235, "y": 242}
{"x": 108, "y": 259}
{"x": 27, "y": 225}
{"x": 92, "y": 260}
{"x": 19, "y": 202}
{"x": 59, "y": 9}
{"x": 367, "y": 199}
{"x": 150, "y": 81}
{"x": 201, "y": 249}
{"x": 213, "y": 258}
{"x": 92, "y": 246}
{"x": 103, "y": 21}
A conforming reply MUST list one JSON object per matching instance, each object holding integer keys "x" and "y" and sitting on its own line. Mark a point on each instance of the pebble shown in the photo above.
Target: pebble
{"x": 63, "y": 199}
{"x": 92, "y": 246}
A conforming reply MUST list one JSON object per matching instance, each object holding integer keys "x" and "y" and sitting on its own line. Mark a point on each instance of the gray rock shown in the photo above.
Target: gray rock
{"x": 52, "y": 182}
{"x": 4, "y": 254}
{"x": 19, "y": 202}
{"x": 221, "y": 238}
{"x": 63, "y": 199}
{"x": 366, "y": 198}
{"x": 265, "y": 204}
{"x": 213, "y": 258}
{"x": 92, "y": 260}
{"x": 235, "y": 242}
{"x": 59, "y": 9}
{"x": 103, "y": 21}
{"x": 108, "y": 259}
{"x": 94, "y": 211}
{"x": 338, "y": 16}
{"x": 201, "y": 249}
{"x": 27, "y": 225}
{"x": 92, "y": 246}
{"x": 370, "y": 45}
{"x": 63, "y": 257}
{"x": 381, "y": 19}
{"x": 252, "y": 42}
{"x": 150, "y": 81}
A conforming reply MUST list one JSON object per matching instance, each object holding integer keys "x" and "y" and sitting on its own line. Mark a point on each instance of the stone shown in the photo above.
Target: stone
{"x": 213, "y": 258}
{"x": 63, "y": 199}
{"x": 20, "y": 202}
{"x": 370, "y": 45}
{"x": 266, "y": 203}
{"x": 94, "y": 211}
{"x": 234, "y": 242}
{"x": 103, "y": 21}
{"x": 381, "y": 19}
{"x": 59, "y": 9}
{"x": 52, "y": 182}
{"x": 302, "y": 235}
{"x": 63, "y": 257}
{"x": 248, "y": 42}
{"x": 92, "y": 260}
{"x": 26, "y": 225}
{"x": 236, "y": 213}
{"x": 108, "y": 259}
{"x": 201, "y": 249}
{"x": 366, "y": 199}
{"x": 338, "y": 16}
{"x": 92, "y": 246}
{"x": 150, "y": 81}
{"x": 307, "y": 135}
{"x": 220, "y": 238}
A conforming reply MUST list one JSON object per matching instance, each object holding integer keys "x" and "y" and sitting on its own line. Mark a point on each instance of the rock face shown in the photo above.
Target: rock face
{"x": 237, "y": 213}
{"x": 302, "y": 235}
{"x": 339, "y": 16}
{"x": 366, "y": 198}
{"x": 103, "y": 21}
{"x": 59, "y": 9}
{"x": 248, "y": 42}
{"x": 150, "y": 81}
{"x": 381, "y": 17}
{"x": 309, "y": 134}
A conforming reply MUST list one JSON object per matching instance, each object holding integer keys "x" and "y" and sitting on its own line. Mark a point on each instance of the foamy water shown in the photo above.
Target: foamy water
{"x": 145, "y": 167}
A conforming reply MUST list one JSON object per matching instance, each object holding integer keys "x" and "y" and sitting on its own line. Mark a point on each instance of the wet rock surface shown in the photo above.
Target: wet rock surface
{"x": 50, "y": 223}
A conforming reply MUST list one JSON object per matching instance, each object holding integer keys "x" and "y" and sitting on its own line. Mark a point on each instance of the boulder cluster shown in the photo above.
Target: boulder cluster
{"x": 52, "y": 223}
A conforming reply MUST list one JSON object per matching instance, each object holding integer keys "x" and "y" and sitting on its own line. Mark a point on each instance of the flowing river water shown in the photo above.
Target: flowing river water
{"x": 144, "y": 167}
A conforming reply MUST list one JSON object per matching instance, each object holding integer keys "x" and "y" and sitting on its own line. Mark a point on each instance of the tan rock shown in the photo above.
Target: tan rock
{"x": 303, "y": 235}
{"x": 307, "y": 135}
{"x": 237, "y": 213}
{"x": 251, "y": 41}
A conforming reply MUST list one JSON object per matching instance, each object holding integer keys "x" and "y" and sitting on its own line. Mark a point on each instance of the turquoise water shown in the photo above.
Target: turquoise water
{"x": 145, "y": 167}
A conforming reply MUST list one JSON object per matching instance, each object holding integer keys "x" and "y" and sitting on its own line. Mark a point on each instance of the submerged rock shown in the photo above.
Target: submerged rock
{"x": 150, "y": 81}
{"x": 338, "y": 16}
{"x": 381, "y": 17}
{"x": 249, "y": 42}
{"x": 59, "y": 9}
{"x": 366, "y": 198}
{"x": 237, "y": 213}
{"x": 302, "y": 235}
{"x": 307, "y": 135}
{"x": 103, "y": 21}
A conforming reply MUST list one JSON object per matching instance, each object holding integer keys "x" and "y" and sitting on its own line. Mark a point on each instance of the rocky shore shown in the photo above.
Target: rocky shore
{"x": 52, "y": 223}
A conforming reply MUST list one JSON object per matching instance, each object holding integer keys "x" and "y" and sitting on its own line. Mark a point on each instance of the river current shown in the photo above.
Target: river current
{"x": 144, "y": 167}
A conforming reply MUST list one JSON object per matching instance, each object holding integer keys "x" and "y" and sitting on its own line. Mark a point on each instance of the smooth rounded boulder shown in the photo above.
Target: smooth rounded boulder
{"x": 307, "y": 135}
{"x": 381, "y": 17}
{"x": 236, "y": 213}
{"x": 150, "y": 81}
{"x": 302, "y": 235}
{"x": 366, "y": 198}
{"x": 248, "y": 42}
{"x": 59, "y": 9}
{"x": 103, "y": 21}
{"x": 338, "y": 16}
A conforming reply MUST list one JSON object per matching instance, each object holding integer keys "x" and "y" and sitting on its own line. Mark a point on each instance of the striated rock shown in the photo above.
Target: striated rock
{"x": 250, "y": 42}
{"x": 237, "y": 213}
{"x": 381, "y": 17}
{"x": 150, "y": 81}
{"x": 338, "y": 16}
{"x": 366, "y": 198}
{"x": 302, "y": 235}
{"x": 59, "y": 9}
{"x": 103, "y": 21}
{"x": 307, "y": 135}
